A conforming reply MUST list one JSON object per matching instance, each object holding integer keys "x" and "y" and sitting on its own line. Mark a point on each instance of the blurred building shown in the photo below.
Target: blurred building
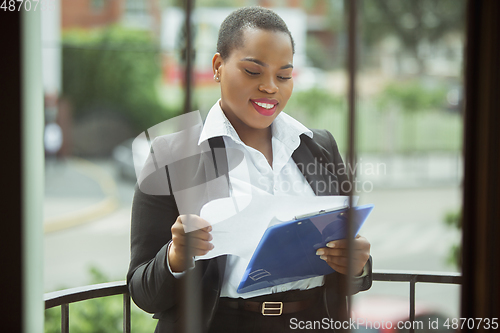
{"x": 90, "y": 14}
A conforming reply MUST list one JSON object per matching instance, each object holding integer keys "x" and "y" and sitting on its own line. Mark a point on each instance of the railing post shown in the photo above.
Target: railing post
{"x": 65, "y": 318}
{"x": 126, "y": 313}
{"x": 413, "y": 280}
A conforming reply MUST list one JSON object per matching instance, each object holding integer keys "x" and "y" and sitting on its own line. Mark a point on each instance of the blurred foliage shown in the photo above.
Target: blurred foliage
{"x": 101, "y": 315}
{"x": 115, "y": 69}
{"x": 221, "y": 3}
{"x": 208, "y": 3}
{"x": 411, "y": 97}
{"x": 453, "y": 219}
{"x": 399, "y": 119}
{"x": 411, "y": 21}
{"x": 317, "y": 54}
{"x": 312, "y": 102}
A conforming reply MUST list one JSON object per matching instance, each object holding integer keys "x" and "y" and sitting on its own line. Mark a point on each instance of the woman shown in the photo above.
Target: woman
{"x": 253, "y": 65}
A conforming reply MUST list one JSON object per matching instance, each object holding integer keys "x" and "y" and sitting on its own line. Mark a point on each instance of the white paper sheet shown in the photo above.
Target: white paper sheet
{"x": 238, "y": 231}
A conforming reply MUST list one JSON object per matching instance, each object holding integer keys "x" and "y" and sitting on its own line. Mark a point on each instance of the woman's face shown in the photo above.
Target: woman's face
{"x": 256, "y": 78}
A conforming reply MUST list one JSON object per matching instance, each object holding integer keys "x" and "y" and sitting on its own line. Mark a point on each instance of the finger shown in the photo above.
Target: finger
{"x": 340, "y": 261}
{"x": 339, "y": 252}
{"x": 196, "y": 246}
{"x": 200, "y": 234}
{"x": 202, "y": 249}
{"x": 358, "y": 255}
{"x": 194, "y": 239}
{"x": 332, "y": 252}
{"x": 338, "y": 244}
{"x": 339, "y": 264}
{"x": 201, "y": 245}
{"x": 343, "y": 260}
{"x": 177, "y": 227}
{"x": 358, "y": 243}
{"x": 193, "y": 222}
{"x": 178, "y": 231}
{"x": 182, "y": 251}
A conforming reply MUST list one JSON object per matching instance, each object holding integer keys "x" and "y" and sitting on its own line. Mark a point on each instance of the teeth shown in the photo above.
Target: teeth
{"x": 265, "y": 105}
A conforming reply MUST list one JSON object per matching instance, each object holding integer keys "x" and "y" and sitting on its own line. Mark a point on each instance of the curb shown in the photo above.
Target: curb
{"x": 98, "y": 210}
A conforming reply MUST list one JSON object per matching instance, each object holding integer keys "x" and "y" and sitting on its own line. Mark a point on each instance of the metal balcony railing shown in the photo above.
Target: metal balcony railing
{"x": 413, "y": 278}
{"x": 65, "y": 297}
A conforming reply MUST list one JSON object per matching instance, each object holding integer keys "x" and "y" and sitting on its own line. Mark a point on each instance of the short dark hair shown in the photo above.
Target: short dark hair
{"x": 231, "y": 29}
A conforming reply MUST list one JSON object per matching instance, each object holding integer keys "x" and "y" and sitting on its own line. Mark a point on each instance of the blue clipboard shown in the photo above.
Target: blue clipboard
{"x": 287, "y": 251}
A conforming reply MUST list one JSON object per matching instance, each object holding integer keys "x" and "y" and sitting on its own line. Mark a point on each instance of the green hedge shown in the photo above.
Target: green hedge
{"x": 101, "y": 315}
{"x": 115, "y": 69}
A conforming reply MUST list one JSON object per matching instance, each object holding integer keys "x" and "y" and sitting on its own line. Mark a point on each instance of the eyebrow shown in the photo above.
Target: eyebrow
{"x": 258, "y": 62}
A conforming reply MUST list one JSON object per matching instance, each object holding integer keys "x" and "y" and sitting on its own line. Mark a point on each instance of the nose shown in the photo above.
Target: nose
{"x": 268, "y": 86}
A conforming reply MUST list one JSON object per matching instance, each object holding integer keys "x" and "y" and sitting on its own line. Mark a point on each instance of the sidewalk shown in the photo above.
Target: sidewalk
{"x": 76, "y": 191}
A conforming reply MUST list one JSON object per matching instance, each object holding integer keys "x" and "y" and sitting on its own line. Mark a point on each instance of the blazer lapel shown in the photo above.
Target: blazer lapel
{"x": 312, "y": 160}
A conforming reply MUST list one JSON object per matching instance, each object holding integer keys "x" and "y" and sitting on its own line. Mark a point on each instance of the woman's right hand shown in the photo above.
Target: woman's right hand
{"x": 200, "y": 238}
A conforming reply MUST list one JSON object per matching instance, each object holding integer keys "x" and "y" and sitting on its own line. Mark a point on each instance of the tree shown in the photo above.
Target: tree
{"x": 411, "y": 21}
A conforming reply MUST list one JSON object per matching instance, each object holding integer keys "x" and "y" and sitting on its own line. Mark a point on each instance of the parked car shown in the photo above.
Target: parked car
{"x": 127, "y": 160}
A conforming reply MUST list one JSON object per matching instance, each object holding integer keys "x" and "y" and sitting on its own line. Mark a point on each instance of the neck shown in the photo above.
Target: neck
{"x": 254, "y": 137}
{"x": 249, "y": 135}
{"x": 257, "y": 138}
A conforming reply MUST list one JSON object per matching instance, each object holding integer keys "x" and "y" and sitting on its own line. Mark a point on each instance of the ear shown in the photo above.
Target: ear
{"x": 216, "y": 63}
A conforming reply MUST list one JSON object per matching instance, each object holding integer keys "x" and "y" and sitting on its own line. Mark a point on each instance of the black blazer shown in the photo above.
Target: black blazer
{"x": 155, "y": 290}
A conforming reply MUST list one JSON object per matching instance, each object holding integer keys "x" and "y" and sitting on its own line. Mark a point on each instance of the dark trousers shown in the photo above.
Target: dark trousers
{"x": 312, "y": 319}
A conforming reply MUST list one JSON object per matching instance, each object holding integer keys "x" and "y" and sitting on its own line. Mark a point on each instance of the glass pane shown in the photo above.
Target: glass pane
{"x": 409, "y": 132}
{"x": 106, "y": 67}
{"x": 111, "y": 73}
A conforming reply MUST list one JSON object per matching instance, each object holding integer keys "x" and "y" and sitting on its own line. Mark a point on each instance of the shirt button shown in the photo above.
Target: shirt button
{"x": 283, "y": 288}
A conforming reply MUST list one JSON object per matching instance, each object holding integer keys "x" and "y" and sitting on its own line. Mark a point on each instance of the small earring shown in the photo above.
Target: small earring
{"x": 216, "y": 77}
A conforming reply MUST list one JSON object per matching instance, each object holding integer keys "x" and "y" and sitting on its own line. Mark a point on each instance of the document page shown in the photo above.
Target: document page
{"x": 238, "y": 223}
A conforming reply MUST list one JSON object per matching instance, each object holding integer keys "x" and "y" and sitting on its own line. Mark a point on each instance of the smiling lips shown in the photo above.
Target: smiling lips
{"x": 265, "y": 106}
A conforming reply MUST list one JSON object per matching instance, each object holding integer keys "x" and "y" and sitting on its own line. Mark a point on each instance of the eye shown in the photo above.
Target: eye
{"x": 251, "y": 73}
{"x": 284, "y": 77}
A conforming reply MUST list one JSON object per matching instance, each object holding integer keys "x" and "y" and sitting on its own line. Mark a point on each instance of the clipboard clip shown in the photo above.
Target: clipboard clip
{"x": 323, "y": 211}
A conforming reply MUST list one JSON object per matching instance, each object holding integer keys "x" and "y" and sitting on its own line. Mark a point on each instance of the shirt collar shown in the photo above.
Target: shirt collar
{"x": 284, "y": 128}
{"x": 216, "y": 124}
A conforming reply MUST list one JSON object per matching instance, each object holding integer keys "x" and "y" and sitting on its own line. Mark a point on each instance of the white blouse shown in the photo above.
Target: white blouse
{"x": 255, "y": 176}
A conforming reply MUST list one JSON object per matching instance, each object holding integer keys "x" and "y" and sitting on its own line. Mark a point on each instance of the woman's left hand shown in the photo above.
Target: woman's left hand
{"x": 336, "y": 254}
